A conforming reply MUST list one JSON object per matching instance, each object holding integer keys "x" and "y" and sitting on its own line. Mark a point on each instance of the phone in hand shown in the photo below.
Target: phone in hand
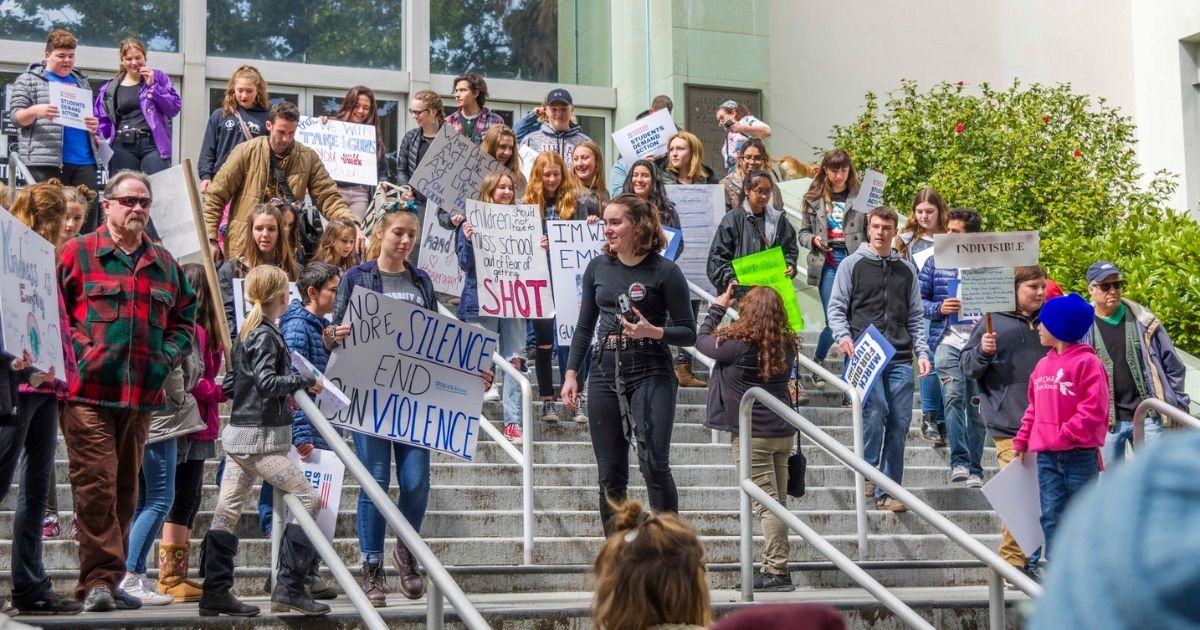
{"x": 728, "y": 124}
{"x": 626, "y": 309}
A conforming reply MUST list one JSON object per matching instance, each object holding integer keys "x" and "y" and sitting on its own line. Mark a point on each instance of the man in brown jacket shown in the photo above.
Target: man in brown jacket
{"x": 248, "y": 179}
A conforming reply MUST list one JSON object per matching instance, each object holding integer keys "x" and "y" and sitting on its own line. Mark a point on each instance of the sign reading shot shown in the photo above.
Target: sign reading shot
{"x": 73, "y": 103}
{"x": 346, "y": 149}
{"x": 411, "y": 375}
{"x": 29, "y": 297}
{"x": 871, "y": 354}
{"x": 573, "y": 244}
{"x": 645, "y": 138}
{"x": 510, "y": 263}
{"x": 985, "y": 249}
{"x": 438, "y": 256}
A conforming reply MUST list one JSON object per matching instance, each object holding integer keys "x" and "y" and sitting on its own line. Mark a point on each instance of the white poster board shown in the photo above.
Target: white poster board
{"x": 700, "y": 208}
{"x": 325, "y": 472}
{"x": 241, "y": 306}
{"x": 510, "y": 264}
{"x": 412, "y": 376}
{"x": 29, "y": 297}
{"x": 573, "y": 244}
{"x": 985, "y": 249}
{"x": 987, "y": 290}
{"x": 1015, "y": 496}
{"x": 452, "y": 171}
{"x": 528, "y": 155}
{"x": 870, "y": 194}
{"x": 73, "y": 103}
{"x": 331, "y": 398}
{"x": 346, "y": 149}
{"x": 645, "y": 138}
{"x": 173, "y": 214}
{"x": 438, "y": 256}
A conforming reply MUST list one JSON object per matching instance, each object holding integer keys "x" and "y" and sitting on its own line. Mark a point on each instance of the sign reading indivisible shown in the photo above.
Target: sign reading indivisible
{"x": 986, "y": 249}
{"x": 74, "y": 104}
{"x": 29, "y": 297}
{"x": 325, "y": 472}
{"x": 699, "y": 208}
{"x": 987, "y": 289}
{"x": 510, "y": 264}
{"x": 645, "y": 138}
{"x": 241, "y": 306}
{"x": 346, "y": 149}
{"x": 870, "y": 195}
{"x": 438, "y": 256}
{"x": 573, "y": 244}
{"x": 452, "y": 171}
{"x": 768, "y": 269}
{"x": 871, "y": 354}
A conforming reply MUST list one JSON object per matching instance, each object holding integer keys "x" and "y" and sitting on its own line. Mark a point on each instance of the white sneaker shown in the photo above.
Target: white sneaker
{"x": 959, "y": 474}
{"x": 134, "y": 585}
{"x": 974, "y": 481}
{"x": 492, "y": 394}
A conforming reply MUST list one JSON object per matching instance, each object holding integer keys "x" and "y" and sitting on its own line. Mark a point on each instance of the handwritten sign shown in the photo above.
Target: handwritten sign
{"x": 452, "y": 171}
{"x": 767, "y": 269}
{"x": 700, "y": 208}
{"x": 954, "y": 287}
{"x": 871, "y": 354}
{"x": 987, "y": 289}
{"x": 572, "y": 245}
{"x": 73, "y": 103}
{"x": 346, "y": 149}
{"x": 325, "y": 472}
{"x": 173, "y": 213}
{"x": 510, "y": 264}
{"x": 438, "y": 256}
{"x": 986, "y": 249}
{"x": 870, "y": 194}
{"x": 412, "y": 376}
{"x": 332, "y": 399}
{"x": 645, "y": 138}
{"x": 29, "y": 297}
{"x": 241, "y": 306}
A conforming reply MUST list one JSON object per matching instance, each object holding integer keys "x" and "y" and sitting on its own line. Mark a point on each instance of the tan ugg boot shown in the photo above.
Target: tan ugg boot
{"x": 686, "y": 377}
{"x": 172, "y": 573}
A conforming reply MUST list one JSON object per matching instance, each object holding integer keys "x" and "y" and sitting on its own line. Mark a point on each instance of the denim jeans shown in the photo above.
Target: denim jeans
{"x": 964, "y": 426}
{"x": 511, "y": 345}
{"x": 1062, "y": 475}
{"x": 887, "y": 414}
{"x": 825, "y": 288}
{"x": 33, "y": 437}
{"x": 412, "y": 475}
{"x": 156, "y": 492}
{"x": 1115, "y": 442}
{"x": 931, "y": 388}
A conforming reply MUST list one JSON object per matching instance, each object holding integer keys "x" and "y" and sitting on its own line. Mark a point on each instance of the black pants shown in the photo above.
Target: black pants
{"x": 27, "y": 448}
{"x": 650, "y": 386}
{"x": 189, "y": 482}
{"x": 140, "y": 155}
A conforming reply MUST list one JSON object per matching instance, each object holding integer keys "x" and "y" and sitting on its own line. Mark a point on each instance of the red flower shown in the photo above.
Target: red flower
{"x": 959, "y": 84}
{"x": 1045, "y": 120}
{"x": 959, "y": 128}
{"x": 1077, "y": 153}
{"x": 862, "y": 126}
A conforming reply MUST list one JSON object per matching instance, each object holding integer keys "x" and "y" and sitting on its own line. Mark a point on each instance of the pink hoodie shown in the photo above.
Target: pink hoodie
{"x": 1068, "y": 402}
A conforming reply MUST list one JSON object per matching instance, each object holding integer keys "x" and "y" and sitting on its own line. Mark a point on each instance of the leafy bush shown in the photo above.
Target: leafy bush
{"x": 1040, "y": 158}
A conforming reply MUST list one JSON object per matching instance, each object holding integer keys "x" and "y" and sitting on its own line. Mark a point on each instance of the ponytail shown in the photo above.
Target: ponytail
{"x": 264, "y": 283}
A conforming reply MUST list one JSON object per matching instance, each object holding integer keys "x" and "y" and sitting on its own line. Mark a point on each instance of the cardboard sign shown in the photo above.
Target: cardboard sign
{"x": 767, "y": 269}
{"x": 986, "y": 249}
{"x": 510, "y": 264}
{"x": 700, "y": 208}
{"x": 645, "y": 138}
{"x": 573, "y": 244}
{"x": 29, "y": 297}
{"x": 325, "y": 472}
{"x": 870, "y": 195}
{"x": 73, "y": 103}
{"x": 241, "y": 306}
{"x": 452, "y": 171}
{"x": 332, "y": 399}
{"x": 871, "y": 354}
{"x": 173, "y": 213}
{"x": 987, "y": 289}
{"x": 346, "y": 149}
{"x": 412, "y": 376}
{"x": 438, "y": 256}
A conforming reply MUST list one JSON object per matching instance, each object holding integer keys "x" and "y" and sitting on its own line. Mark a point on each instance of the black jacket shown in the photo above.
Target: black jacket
{"x": 223, "y": 133}
{"x": 9, "y": 382}
{"x": 1004, "y": 376}
{"x": 262, "y": 379}
{"x": 735, "y": 372}
{"x": 407, "y": 162}
{"x": 739, "y": 234}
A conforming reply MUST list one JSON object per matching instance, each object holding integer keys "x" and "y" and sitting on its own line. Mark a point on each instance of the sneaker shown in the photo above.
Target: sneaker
{"x": 870, "y": 489}
{"x": 99, "y": 599}
{"x": 512, "y": 432}
{"x": 134, "y": 585}
{"x": 974, "y": 481}
{"x": 816, "y": 381}
{"x": 492, "y": 394}
{"x": 891, "y": 505}
{"x": 549, "y": 411}
{"x": 958, "y": 474}
{"x": 50, "y": 528}
{"x": 125, "y": 601}
{"x": 50, "y": 604}
{"x": 765, "y": 582}
{"x": 799, "y": 396}
{"x": 580, "y": 415}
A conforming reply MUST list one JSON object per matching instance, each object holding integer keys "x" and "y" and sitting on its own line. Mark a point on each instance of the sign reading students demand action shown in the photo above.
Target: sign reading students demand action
{"x": 411, "y": 375}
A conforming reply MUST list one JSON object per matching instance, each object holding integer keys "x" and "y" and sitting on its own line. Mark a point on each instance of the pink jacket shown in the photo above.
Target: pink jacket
{"x": 1068, "y": 402}
{"x": 62, "y": 383}
{"x": 207, "y": 392}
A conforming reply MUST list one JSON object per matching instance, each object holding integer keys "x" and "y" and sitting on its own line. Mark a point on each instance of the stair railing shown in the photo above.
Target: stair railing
{"x": 999, "y": 570}
{"x": 1161, "y": 407}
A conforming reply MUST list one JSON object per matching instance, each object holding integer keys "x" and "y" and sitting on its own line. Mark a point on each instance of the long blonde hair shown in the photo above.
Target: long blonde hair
{"x": 230, "y": 104}
{"x": 568, "y": 190}
{"x": 265, "y": 284}
{"x": 598, "y": 186}
{"x": 694, "y": 170}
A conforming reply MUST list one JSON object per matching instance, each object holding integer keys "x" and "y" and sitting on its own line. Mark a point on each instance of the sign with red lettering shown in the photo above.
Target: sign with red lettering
{"x": 510, "y": 264}
{"x": 985, "y": 249}
{"x": 346, "y": 149}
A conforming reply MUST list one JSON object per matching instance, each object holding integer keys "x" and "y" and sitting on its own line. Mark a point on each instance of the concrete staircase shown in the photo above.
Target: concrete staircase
{"x": 474, "y": 526}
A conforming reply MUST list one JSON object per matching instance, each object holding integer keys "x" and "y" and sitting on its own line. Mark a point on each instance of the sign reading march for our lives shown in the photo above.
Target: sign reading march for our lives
{"x": 29, "y": 297}
{"x": 346, "y": 149}
{"x": 871, "y": 354}
{"x": 510, "y": 265}
{"x": 241, "y": 306}
{"x": 411, "y": 375}
{"x": 324, "y": 471}
{"x": 438, "y": 256}
{"x": 768, "y": 269}
{"x": 699, "y": 208}
{"x": 645, "y": 138}
{"x": 452, "y": 171}
{"x": 73, "y": 103}
{"x": 573, "y": 244}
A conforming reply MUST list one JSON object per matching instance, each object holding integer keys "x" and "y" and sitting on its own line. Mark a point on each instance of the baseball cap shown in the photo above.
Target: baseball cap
{"x": 559, "y": 95}
{"x": 1100, "y": 270}
{"x": 730, "y": 104}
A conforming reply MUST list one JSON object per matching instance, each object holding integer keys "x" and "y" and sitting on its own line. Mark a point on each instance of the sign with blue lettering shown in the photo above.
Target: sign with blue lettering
{"x": 573, "y": 244}
{"x": 645, "y": 138}
{"x": 411, "y": 375}
{"x": 29, "y": 297}
{"x": 871, "y": 354}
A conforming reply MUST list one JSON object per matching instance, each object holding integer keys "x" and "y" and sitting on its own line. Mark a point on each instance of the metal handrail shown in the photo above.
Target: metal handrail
{"x": 998, "y": 567}
{"x": 442, "y": 584}
{"x": 15, "y": 164}
{"x": 1161, "y": 407}
{"x": 524, "y": 457}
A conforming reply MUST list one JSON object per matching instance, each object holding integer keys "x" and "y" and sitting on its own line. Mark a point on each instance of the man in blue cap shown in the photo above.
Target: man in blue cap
{"x": 560, "y": 133}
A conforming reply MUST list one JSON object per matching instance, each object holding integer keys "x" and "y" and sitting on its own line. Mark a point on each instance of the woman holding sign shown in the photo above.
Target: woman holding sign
{"x": 135, "y": 111}
{"x": 636, "y": 303}
{"x": 359, "y": 108}
{"x": 264, "y": 244}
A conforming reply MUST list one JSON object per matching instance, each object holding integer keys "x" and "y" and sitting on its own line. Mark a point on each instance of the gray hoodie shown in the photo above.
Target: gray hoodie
{"x": 870, "y": 289}
{"x": 1004, "y": 376}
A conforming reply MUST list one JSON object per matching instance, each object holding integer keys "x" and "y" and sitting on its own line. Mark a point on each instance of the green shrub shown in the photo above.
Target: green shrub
{"x": 1040, "y": 158}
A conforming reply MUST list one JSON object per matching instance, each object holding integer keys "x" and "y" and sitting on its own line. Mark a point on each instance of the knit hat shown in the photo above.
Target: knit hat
{"x": 1068, "y": 318}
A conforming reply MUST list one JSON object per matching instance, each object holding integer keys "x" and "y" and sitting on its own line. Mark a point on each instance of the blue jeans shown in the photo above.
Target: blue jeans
{"x": 156, "y": 493}
{"x": 825, "y": 288}
{"x": 28, "y": 447}
{"x": 510, "y": 346}
{"x": 964, "y": 426}
{"x": 1061, "y": 475}
{"x": 931, "y": 388}
{"x": 1115, "y": 442}
{"x": 412, "y": 475}
{"x": 887, "y": 414}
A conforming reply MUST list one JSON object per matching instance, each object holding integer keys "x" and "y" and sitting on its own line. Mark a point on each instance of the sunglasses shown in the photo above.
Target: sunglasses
{"x": 1109, "y": 286}
{"x": 132, "y": 201}
{"x": 417, "y": 112}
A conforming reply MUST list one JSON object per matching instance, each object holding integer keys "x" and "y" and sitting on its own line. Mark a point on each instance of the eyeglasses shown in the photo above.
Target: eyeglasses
{"x": 1105, "y": 287}
{"x": 762, "y": 192}
{"x": 132, "y": 201}
{"x": 753, "y": 158}
{"x": 417, "y": 112}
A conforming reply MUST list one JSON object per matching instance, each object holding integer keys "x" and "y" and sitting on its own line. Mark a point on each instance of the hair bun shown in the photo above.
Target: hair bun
{"x": 629, "y": 515}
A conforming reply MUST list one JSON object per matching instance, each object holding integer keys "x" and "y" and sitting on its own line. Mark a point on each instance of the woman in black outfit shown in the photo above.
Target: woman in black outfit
{"x": 632, "y": 381}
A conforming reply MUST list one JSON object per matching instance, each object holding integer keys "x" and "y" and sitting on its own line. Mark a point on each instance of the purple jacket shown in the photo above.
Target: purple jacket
{"x": 160, "y": 103}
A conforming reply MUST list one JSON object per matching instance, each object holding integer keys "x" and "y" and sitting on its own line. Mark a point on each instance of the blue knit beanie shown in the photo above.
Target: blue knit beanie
{"x": 1067, "y": 317}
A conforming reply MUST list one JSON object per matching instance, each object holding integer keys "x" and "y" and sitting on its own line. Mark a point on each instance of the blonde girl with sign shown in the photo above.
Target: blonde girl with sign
{"x": 256, "y": 442}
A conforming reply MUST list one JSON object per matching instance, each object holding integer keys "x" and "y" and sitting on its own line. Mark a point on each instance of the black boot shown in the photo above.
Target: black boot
{"x": 929, "y": 429}
{"x": 290, "y": 593}
{"x": 217, "y": 562}
{"x": 318, "y": 587}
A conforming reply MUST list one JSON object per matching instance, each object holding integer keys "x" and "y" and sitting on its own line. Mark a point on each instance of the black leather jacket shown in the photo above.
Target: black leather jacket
{"x": 262, "y": 379}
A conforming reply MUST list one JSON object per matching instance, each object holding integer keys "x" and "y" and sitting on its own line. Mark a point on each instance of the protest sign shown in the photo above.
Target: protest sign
{"x": 29, "y": 297}
{"x": 438, "y": 256}
{"x": 985, "y": 249}
{"x": 870, "y": 194}
{"x": 699, "y": 208}
{"x": 954, "y": 288}
{"x": 331, "y": 398}
{"x": 1016, "y": 497}
{"x": 573, "y": 244}
{"x": 645, "y": 138}
{"x": 674, "y": 238}
{"x": 241, "y": 306}
{"x": 510, "y": 264}
{"x": 452, "y": 171}
{"x": 871, "y": 354}
{"x": 346, "y": 149}
{"x": 174, "y": 216}
{"x": 987, "y": 289}
{"x": 768, "y": 269}
{"x": 325, "y": 472}
{"x": 411, "y": 375}
{"x": 528, "y": 155}
{"x": 73, "y": 103}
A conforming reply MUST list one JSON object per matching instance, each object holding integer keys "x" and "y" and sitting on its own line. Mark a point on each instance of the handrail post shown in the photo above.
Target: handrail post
{"x": 435, "y": 616}
{"x": 277, "y": 525}
{"x": 747, "y": 518}
{"x": 527, "y": 524}
{"x": 1160, "y": 406}
{"x": 995, "y": 600}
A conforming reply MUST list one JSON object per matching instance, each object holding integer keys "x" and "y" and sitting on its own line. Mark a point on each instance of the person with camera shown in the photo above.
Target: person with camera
{"x": 757, "y": 350}
{"x": 640, "y": 302}
{"x": 135, "y": 110}
{"x": 739, "y": 126}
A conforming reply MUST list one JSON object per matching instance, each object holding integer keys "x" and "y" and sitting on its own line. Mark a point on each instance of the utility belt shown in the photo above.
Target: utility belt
{"x": 619, "y": 342}
{"x": 130, "y": 135}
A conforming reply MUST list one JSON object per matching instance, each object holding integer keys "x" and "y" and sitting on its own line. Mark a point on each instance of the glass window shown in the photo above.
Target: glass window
{"x": 554, "y": 41}
{"x": 360, "y": 33}
{"x": 103, "y": 24}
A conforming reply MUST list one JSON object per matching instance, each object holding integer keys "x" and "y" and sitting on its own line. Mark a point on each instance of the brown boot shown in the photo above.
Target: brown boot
{"x": 799, "y": 396}
{"x": 686, "y": 377}
{"x": 172, "y": 573}
{"x": 412, "y": 583}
